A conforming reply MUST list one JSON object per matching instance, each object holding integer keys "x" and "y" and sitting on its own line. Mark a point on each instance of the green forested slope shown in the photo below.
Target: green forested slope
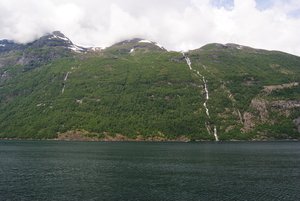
{"x": 139, "y": 91}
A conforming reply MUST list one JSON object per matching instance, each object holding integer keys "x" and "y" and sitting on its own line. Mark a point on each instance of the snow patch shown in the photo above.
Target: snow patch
{"x": 148, "y": 41}
{"x": 160, "y": 46}
{"x": 75, "y": 48}
{"x": 131, "y": 50}
{"x": 63, "y": 38}
{"x": 59, "y": 37}
{"x": 53, "y": 37}
{"x": 145, "y": 41}
{"x": 2, "y": 45}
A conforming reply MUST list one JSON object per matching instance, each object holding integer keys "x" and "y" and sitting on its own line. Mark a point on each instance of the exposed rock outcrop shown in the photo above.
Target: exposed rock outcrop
{"x": 261, "y": 106}
{"x": 297, "y": 122}
{"x": 249, "y": 122}
{"x": 285, "y": 104}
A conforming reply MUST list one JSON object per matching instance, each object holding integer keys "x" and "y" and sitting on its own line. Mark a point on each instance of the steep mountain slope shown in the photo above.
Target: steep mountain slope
{"x": 19, "y": 58}
{"x": 137, "y": 90}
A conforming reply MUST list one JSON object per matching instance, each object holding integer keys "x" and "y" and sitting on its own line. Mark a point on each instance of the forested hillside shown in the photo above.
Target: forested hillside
{"x": 137, "y": 90}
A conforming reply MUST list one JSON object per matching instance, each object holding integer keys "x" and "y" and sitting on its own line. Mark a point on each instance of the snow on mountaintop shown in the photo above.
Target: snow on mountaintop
{"x": 145, "y": 41}
{"x": 148, "y": 41}
{"x": 68, "y": 43}
{"x": 59, "y": 37}
{"x": 77, "y": 49}
{"x": 159, "y": 46}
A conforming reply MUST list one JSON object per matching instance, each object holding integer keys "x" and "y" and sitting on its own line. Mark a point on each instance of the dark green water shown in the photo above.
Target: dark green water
{"x": 51, "y": 170}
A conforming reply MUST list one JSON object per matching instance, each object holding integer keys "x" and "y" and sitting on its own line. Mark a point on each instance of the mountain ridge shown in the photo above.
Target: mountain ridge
{"x": 137, "y": 90}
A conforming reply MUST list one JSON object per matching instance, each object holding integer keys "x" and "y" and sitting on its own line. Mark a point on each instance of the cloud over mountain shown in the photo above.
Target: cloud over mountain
{"x": 177, "y": 25}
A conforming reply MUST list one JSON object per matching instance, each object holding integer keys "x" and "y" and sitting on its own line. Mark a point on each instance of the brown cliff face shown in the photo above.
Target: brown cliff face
{"x": 261, "y": 113}
{"x": 261, "y": 107}
{"x": 249, "y": 122}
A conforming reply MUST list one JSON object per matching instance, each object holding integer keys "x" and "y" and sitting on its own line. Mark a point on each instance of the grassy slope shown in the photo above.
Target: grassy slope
{"x": 145, "y": 95}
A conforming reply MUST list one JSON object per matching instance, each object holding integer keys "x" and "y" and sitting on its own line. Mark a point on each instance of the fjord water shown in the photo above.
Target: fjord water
{"x": 56, "y": 170}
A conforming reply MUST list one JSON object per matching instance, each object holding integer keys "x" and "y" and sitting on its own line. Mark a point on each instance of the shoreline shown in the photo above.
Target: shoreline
{"x": 129, "y": 140}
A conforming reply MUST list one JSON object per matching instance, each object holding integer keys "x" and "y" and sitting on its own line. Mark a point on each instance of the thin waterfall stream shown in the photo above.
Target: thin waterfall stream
{"x": 64, "y": 84}
{"x": 189, "y": 63}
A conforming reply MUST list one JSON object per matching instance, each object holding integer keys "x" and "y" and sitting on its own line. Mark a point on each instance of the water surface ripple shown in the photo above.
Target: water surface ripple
{"x": 55, "y": 170}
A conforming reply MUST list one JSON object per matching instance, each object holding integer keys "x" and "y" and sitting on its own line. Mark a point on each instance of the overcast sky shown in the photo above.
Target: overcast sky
{"x": 175, "y": 24}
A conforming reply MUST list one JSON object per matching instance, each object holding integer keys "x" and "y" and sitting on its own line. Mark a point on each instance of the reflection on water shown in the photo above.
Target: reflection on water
{"x": 51, "y": 170}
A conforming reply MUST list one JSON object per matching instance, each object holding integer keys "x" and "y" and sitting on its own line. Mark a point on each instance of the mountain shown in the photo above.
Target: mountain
{"x": 137, "y": 90}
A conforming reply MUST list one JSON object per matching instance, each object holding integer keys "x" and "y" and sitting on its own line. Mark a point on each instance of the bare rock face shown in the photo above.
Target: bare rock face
{"x": 10, "y": 52}
{"x": 249, "y": 122}
{"x": 297, "y": 122}
{"x": 261, "y": 106}
{"x": 49, "y": 47}
{"x": 284, "y": 107}
{"x": 9, "y": 46}
{"x": 285, "y": 104}
{"x": 269, "y": 89}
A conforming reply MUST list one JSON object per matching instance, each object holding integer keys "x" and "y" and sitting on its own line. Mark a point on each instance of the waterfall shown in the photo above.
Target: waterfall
{"x": 240, "y": 115}
{"x": 189, "y": 63}
{"x": 64, "y": 84}
{"x": 215, "y": 133}
{"x": 207, "y": 128}
{"x": 205, "y": 106}
{"x": 66, "y": 76}
{"x": 63, "y": 89}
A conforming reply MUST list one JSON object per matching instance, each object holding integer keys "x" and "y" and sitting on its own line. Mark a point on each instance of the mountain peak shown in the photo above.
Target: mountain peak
{"x": 136, "y": 45}
{"x": 55, "y": 39}
{"x": 59, "y": 36}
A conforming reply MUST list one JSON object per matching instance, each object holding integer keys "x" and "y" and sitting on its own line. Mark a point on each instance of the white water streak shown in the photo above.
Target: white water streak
{"x": 207, "y": 128}
{"x": 207, "y": 111}
{"x": 205, "y": 87}
{"x": 240, "y": 115}
{"x": 189, "y": 63}
{"x": 215, "y": 133}
{"x": 199, "y": 74}
{"x": 66, "y": 77}
{"x": 64, "y": 84}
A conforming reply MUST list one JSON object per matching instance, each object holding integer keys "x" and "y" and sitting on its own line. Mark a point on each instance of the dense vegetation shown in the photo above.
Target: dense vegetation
{"x": 151, "y": 94}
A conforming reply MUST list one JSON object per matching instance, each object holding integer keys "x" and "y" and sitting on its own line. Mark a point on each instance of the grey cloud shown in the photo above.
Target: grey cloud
{"x": 175, "y": 24}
